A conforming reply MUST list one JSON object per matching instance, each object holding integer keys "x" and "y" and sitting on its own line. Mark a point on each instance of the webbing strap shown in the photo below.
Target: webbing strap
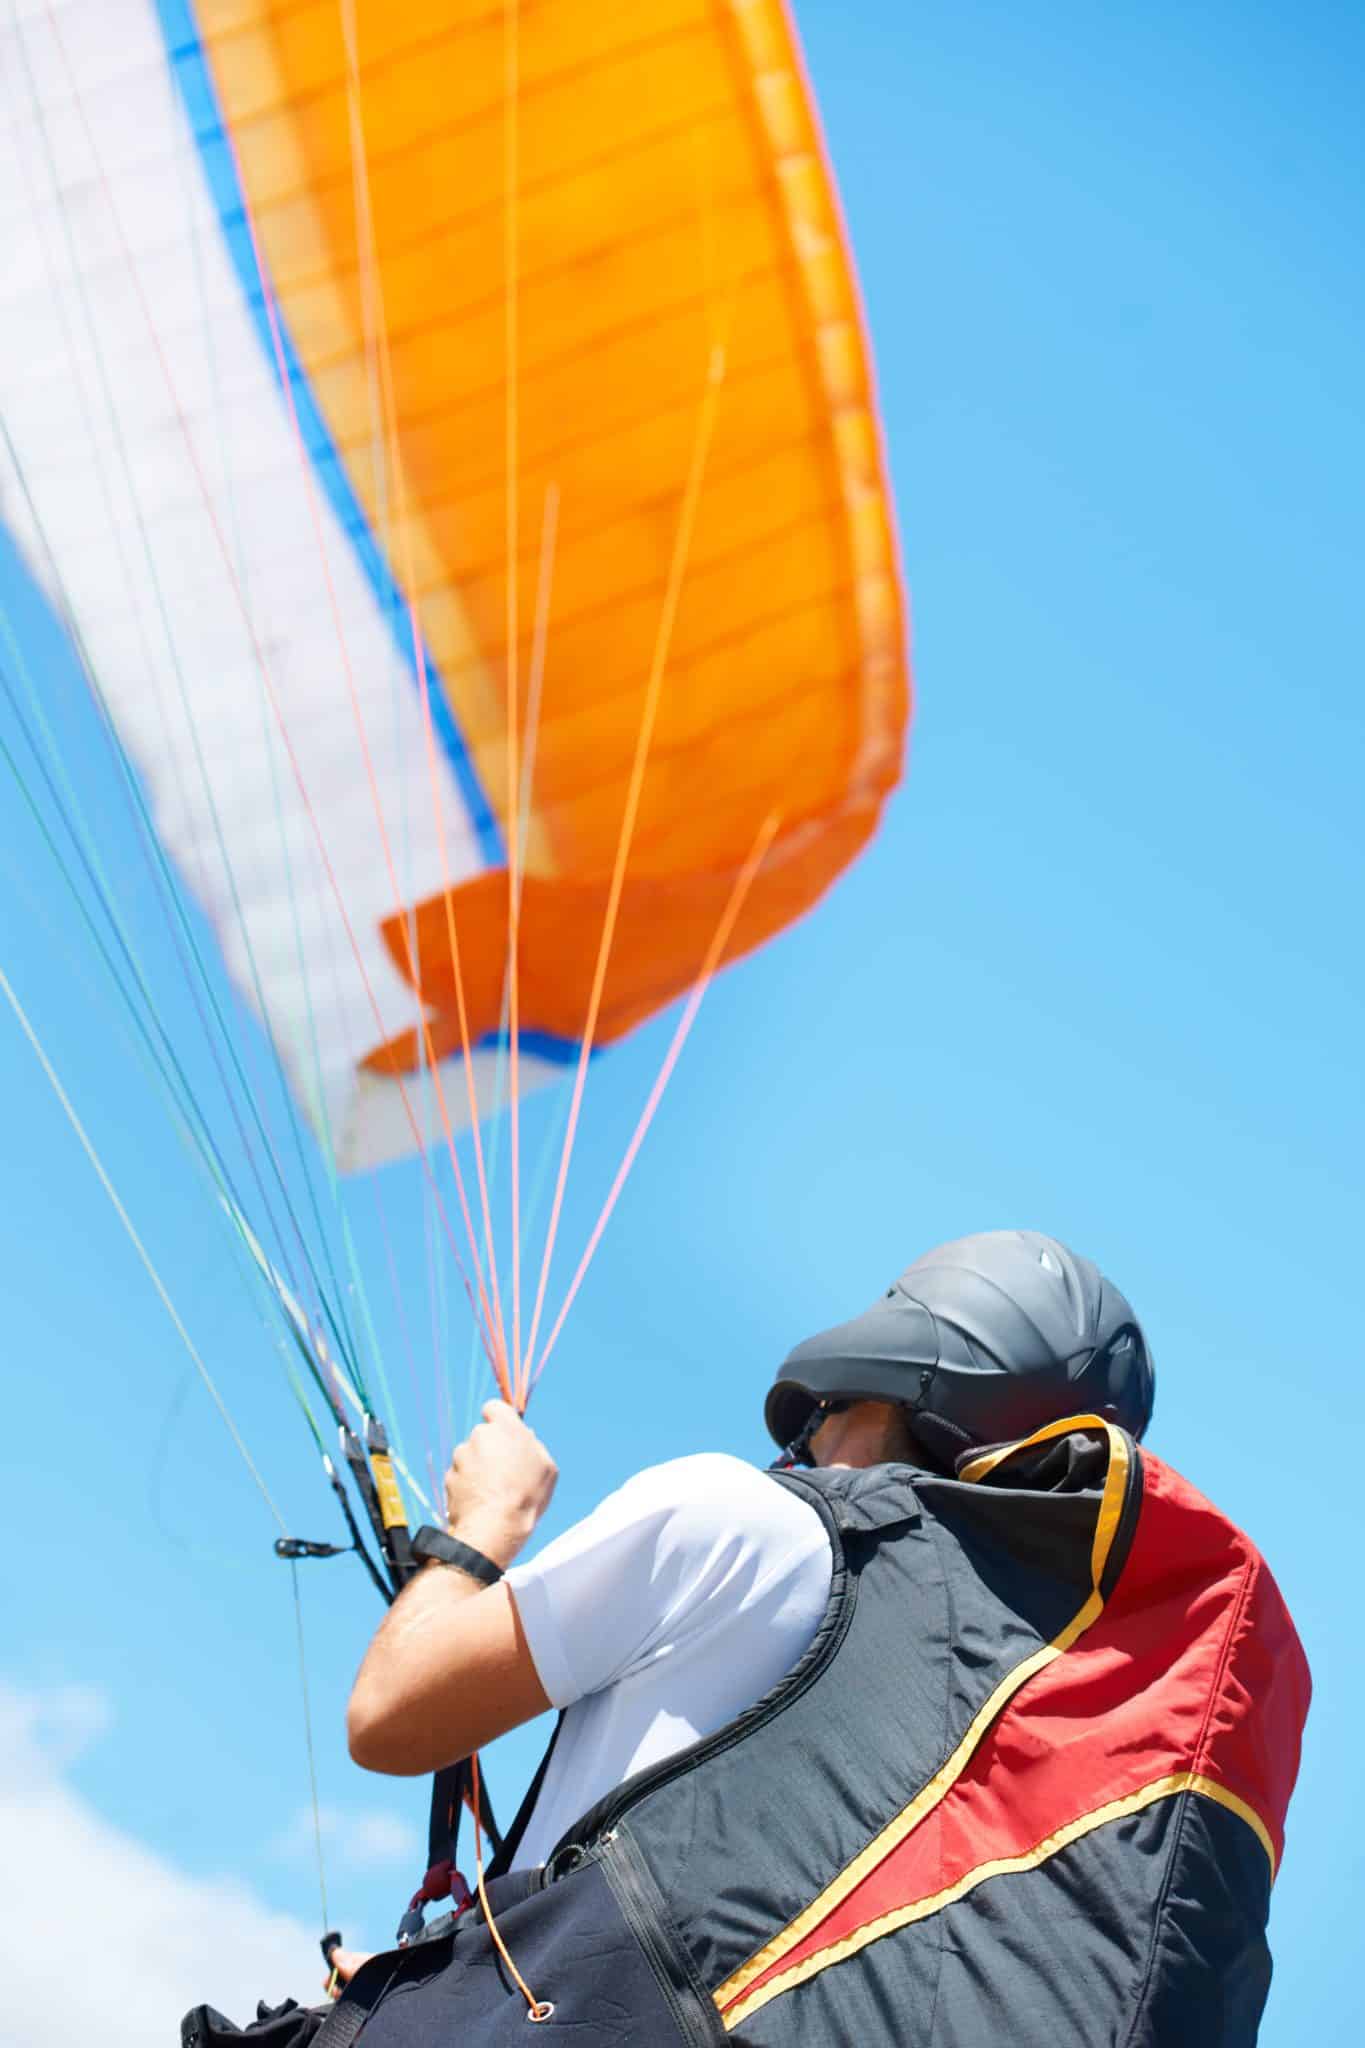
{"x": 448, "y": 1789}
{"x": 452, "y": 1787}
{"x": 511, "y": 1842}
{"x": 341, "y": 2026}
{"x": 343, "y": 2023}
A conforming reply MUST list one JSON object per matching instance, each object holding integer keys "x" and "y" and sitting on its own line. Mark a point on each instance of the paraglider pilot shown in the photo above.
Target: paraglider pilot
{"x": 970, "y": 1721}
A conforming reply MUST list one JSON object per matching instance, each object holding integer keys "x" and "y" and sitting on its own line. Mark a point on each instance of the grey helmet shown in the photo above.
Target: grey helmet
{"x": 981, "y": 1341}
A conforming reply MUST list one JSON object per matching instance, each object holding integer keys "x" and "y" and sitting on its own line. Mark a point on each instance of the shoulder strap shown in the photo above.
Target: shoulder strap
{"x": 357, "y": 2002}
{"x": 452, "y": 1789}
{"x": 511, "y": 1841}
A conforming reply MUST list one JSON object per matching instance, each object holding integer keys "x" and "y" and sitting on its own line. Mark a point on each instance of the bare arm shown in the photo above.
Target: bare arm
{"x": 449, "y": 1668}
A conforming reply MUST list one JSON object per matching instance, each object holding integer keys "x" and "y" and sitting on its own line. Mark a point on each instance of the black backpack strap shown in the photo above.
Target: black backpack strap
{"x": 451, "y": 1789}
{"x": 343, "y": 2024}
{"x": 511, "y": 1842}
{"x": 357, "y": 2002}
{"x": 374, "y": 1980}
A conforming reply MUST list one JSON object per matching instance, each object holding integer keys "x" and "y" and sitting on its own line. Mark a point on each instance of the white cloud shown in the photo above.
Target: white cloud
{"x": 352, "y": 1841}
{"x": 384, "y": 1838}
{"x": 151, "y": 1940}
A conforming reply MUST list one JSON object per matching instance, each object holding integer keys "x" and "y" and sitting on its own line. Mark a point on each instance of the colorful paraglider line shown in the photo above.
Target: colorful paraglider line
{"x": 166, "y": 888}
{"x": 495, "y": 1348}
{"x": 372, "y": 1469}
{"x": 372, "y": 1464}
{"x": 189, "y": 67}
{"x": 188, "y": 954}
{"x": 392, "y": 1537}
{"x": 157, "y": 1049}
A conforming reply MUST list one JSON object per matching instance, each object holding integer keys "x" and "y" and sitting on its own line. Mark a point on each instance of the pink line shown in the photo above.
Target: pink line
{"x": 743, "y": 883}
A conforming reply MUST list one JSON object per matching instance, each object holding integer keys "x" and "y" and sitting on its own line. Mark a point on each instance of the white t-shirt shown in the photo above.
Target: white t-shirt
{"x": 667, "y": 1611}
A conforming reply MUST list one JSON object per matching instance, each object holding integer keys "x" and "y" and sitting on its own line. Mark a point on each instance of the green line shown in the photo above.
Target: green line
{"x": 172, "y": 889}
{"x": 200, "y": 1148}
{"x": 152, "y": 843}
{"x": 308, "y": 1741}
{"x": 186, "y": 1106}
{"x": 126, "y": 1220}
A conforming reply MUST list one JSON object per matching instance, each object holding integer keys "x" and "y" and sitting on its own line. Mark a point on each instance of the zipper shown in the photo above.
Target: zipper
{"x": 612, "y": 1808}
{"x": 645, "y": 1913}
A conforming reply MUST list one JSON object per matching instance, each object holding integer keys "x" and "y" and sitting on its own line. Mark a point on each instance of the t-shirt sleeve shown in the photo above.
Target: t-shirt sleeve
{"x": 624, "y": 1585}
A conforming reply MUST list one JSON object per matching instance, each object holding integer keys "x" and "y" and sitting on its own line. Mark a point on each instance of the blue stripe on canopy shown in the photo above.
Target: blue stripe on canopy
{"x": 190, "y": 68}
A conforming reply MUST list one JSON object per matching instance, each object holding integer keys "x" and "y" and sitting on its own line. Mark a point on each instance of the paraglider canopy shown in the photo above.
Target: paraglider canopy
{"x": 503, "y": 541}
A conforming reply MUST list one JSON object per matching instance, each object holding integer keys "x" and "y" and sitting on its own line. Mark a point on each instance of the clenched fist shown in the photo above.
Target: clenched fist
{"x": 499, "y": 1484}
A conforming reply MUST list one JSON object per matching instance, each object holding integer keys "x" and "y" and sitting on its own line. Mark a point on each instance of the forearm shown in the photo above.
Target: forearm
{"x": 405, "y": 1676}
{"x": 447, "y": 1669}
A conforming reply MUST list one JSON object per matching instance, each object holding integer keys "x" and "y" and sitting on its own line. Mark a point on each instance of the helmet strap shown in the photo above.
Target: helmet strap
{"x": 797, "y": 1451}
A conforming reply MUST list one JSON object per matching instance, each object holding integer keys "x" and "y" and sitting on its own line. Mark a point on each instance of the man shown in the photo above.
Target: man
{"x": 928, "y": 1741}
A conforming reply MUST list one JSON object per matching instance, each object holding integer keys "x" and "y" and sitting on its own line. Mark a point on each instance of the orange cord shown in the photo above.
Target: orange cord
{"x": 536, "y": 2008}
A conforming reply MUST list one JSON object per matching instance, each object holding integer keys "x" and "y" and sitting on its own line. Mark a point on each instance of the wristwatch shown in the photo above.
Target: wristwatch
{"x": 461, "y": 1557}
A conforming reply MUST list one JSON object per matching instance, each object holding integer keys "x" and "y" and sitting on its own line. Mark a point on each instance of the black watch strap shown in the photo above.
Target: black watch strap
{"x": 461, "y": 1557}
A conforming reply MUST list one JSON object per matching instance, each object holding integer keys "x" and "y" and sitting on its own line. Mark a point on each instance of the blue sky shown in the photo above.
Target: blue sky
{"x": 1099, "y": 974}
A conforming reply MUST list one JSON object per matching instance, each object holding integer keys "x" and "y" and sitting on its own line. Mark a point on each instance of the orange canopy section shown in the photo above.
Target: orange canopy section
{"x": 528, "y": 239}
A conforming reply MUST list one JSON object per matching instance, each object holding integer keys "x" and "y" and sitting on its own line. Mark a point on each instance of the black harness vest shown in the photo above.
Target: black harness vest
{"x": 1026, "y": 1784}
